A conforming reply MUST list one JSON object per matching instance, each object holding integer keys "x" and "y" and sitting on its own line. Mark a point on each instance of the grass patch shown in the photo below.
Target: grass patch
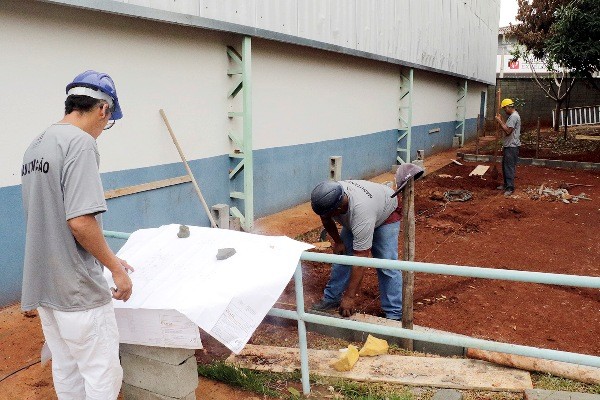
{"x": 264, "y": 383}
{"x": 367, "y": 391}
{"x": 551, "y": 382}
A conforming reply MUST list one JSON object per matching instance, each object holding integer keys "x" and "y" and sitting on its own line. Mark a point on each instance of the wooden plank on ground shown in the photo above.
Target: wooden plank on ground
{"x": 479, "y": 170}
{"x": 111, "y": 194}
{"x": 587, "y": 137}
{"x": 414, "y": 371}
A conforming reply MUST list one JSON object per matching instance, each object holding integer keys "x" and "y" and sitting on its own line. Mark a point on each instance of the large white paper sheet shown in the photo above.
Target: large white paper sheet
{"x": 161, "y": 328}
{"x": 227, "y": 298}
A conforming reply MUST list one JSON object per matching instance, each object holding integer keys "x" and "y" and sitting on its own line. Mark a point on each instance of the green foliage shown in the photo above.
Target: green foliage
{"x": 257, "y": 382}
{"x": 574, "y": 40}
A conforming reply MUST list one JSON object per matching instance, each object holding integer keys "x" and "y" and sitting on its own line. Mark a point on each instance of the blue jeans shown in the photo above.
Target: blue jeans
{"x": 385, "y": 246}
{"x": 510, "y": 157}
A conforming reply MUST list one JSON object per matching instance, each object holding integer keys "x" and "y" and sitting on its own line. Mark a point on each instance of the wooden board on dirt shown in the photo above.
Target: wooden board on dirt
{"x": 415, "y": 371}
{"x": 479, "y": 170}
{"x": 587, "y": 137}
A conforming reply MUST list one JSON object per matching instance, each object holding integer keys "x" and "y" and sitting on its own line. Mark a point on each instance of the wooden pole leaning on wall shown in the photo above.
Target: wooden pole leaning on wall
{"x": 213, "y": 224}
{"x": 408, "y": 254}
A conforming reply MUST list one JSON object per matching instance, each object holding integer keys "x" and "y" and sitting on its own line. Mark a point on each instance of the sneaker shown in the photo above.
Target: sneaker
{"x": 508, "y": 193}
{"x": 325, "y": 305}
{"x": 501, "y": 187}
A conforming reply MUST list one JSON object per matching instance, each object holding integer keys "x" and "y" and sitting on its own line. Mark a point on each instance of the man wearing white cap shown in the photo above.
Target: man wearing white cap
{"x": 65, "y": 250}
{"x": 370, "y": 218}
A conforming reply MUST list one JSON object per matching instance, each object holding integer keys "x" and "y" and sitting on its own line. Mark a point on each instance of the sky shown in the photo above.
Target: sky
{"x": 508, "y": 11}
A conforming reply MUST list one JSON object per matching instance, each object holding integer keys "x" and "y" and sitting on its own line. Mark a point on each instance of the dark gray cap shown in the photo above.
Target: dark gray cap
{"x": 326, "y": 197}
{"x": 404, "y": 173}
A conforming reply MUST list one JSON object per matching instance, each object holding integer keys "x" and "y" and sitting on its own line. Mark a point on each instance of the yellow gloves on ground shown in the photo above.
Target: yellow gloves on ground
{"x": 372, "y": 347}
{"x": 347, "y": 360}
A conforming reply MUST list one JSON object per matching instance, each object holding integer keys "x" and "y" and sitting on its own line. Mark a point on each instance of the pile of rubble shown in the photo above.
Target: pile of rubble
{"x": 550, "y": 194}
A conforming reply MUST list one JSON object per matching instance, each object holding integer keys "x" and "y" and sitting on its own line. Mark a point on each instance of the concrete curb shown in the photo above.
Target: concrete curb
{"x": 536, "y": 162}
{"x": 360, "y": 336}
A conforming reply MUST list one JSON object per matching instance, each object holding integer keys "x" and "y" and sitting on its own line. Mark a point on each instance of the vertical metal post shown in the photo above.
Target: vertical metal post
{"x": 302, "y": 342}
{"x": 403, "y": 154}
{"x": 461, "y": 112}
{"x": 242, "y": 73}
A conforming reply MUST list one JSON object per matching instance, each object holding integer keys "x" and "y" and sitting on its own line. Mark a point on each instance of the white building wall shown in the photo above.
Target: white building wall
{"x": 455, "y": 36}
{"x": 154, "y": 66}
{"x": 303, "y": 95}
{"x": 300, "y": 95}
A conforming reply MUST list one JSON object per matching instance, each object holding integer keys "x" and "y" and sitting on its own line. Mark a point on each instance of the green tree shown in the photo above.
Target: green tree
{"x": 574, "y": 40}
{"x": 536, "y": 26}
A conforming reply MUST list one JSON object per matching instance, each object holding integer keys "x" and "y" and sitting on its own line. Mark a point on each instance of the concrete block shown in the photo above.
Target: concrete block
{"x": 163, "y": 354}
{"x": 220, "y": 213}
{"x": 420, "y": 163}
{"x": 455, "y": 142}
{"x": 447, "y": 394}
{"x": 539, "y": 394}
{"x": 158, "y": 377}
{"x": 131, "y": 392}
{"x": 335, "y": 168}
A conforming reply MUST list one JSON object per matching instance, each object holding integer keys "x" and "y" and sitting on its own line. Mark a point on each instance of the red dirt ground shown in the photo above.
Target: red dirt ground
{"x": 488, "y": 231}
{"x": 492, "y": 231}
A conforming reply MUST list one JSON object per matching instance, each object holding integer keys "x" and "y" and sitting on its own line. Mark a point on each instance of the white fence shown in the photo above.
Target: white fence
{"x": 579, "y": 116}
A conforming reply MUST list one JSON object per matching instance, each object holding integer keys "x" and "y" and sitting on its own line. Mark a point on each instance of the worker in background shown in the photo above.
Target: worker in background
{"x": 510, "y": 145}
{"x": 370, "y": 215}
{"x": 65, "y": 250}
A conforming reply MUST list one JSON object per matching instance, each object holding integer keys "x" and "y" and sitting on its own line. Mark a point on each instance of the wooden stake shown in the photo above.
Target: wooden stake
{"x": 537, "y": 144}
{"x": 477, "y": 136}
{"x": 408, "y": 254}
{"x": 213, "y": 224}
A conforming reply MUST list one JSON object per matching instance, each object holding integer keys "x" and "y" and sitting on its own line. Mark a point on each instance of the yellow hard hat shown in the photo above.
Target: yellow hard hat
{"x": 506, "y": 102}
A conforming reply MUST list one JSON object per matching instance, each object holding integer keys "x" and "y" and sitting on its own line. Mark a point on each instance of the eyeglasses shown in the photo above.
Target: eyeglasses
{"x": 109, "y": 124}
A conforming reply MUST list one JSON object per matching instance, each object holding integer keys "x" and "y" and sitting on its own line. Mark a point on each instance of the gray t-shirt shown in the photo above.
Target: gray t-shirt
{"x": 60, "y": 181}
{"x": 514, "y": 139}
{"x": 369, "y": 205}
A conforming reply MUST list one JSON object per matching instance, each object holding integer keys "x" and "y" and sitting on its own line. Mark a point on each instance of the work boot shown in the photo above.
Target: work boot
{"x": 501, "y": 187}
{"x": 508, "y": 193}
{"x": 325, "y": 305}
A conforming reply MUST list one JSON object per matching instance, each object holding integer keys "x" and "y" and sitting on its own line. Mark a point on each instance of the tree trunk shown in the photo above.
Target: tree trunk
{"x": 557, "y": 115}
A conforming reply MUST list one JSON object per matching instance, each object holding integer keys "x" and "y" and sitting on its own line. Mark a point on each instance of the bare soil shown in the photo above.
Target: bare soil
{"x": 519, "y": 233}
{"x": 493, "y": 231}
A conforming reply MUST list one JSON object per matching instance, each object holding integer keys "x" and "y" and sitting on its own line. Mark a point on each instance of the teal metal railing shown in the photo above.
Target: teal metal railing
{"x": 486, "y": 273}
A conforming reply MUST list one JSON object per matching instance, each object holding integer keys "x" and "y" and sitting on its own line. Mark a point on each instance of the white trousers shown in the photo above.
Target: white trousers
{"x": 85, "y": 352}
